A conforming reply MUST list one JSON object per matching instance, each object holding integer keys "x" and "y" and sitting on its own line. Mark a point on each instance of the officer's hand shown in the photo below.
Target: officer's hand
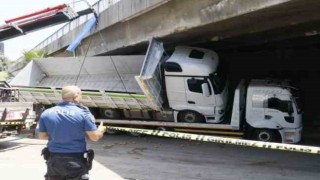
{"x": 102, "y": 128}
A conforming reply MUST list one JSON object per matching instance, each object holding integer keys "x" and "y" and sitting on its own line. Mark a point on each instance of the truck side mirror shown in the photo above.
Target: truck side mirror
{"x": 205, "y": 89}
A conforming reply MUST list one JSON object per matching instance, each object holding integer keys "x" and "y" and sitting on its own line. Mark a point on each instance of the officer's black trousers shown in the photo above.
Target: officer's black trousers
{"x": 66, "y": 168}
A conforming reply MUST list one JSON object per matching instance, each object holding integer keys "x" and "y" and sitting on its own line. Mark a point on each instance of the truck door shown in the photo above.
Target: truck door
{"x": 278, "y": 110}
{"x": 196, "y": 99}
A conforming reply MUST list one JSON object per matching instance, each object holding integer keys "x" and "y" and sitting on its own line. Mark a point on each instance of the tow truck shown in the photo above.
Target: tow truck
{"x": 15, "y": 116}
{"x": 40, "y": 19}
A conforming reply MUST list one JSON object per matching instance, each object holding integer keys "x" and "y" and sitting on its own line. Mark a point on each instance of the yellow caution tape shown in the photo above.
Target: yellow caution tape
{"x": 222, "y": 140}
{"x": 8, "y": 123}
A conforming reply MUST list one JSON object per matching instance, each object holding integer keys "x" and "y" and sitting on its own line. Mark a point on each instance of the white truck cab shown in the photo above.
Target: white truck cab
{"x": 192, "y": 86}
{"x": 273, "y": 107}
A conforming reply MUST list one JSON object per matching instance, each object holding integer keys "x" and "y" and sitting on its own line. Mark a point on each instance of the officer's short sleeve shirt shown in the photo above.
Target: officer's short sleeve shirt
{"x": 66, "y": 125}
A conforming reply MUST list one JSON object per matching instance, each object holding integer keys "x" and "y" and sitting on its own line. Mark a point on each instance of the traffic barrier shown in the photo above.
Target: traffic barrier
{"x": 222, "y": 140}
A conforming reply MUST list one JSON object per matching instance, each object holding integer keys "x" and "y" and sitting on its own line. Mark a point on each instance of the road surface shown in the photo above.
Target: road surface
{"x": 156, "y": 158}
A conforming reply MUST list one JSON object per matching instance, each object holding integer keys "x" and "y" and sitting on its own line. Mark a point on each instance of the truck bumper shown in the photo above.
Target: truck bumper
{"x": 291, "y": 135}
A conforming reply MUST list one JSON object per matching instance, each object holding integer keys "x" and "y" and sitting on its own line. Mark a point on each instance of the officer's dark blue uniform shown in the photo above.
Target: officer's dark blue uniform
{"x": 65, "y": 125}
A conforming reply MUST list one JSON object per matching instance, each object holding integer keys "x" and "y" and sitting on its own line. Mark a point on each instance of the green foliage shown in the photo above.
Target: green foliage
{"x": 4, "y": 75}
{"x": 10, "y": 62}
{"x": 3, "y": 62}
{"x": 3, "y": 58}
{"x": 32, "y": 54}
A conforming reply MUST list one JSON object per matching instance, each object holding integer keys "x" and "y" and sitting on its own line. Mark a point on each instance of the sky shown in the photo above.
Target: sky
{"x": 13, "y": 48}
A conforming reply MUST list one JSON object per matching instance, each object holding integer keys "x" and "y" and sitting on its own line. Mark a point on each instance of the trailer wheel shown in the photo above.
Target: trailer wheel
{"x": 112, "y": 132}
{"x": 266, "y": 135}
{"x": 190, "y": 117}
{"x": 161, "y": 128}
{"x": 110, "y": 113}
{"x": 135, "y": 134}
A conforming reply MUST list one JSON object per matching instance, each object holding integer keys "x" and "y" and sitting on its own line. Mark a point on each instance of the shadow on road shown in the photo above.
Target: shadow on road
{"x": 15, "y": 142}
{"x": 8, "y": 144}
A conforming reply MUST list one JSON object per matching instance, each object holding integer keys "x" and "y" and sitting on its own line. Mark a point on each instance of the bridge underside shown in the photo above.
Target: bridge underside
{"x": 215, "y": 24}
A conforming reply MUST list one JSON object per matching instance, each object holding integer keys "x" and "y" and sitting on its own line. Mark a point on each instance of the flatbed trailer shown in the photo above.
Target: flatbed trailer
{"x": 14, "y": 115}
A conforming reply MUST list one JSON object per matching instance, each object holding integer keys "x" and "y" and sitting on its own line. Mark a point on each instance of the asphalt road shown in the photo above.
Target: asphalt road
{"x": 156, "y": 158}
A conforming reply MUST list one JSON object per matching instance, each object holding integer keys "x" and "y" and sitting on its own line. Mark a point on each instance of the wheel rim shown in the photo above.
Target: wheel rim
{"x": 108, "y": 113}
{"x": 190, "y": 117}
{"x": 109, "y": 131}
{"x": 264, "y": 136}
{"x": 134, "y": 133}
{"x": 161, "y": 128}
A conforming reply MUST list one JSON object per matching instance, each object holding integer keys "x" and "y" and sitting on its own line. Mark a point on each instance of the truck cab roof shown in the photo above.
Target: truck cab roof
{"x": 270, "y": 86}
{"x": 191, "y": 61}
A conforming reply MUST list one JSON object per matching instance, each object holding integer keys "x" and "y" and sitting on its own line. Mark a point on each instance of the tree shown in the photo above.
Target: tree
{"x": 3, "y": 67}
{"x": 32, "y": 54}
{"x": 4, "y": 75}
{"x": 3, "y": 62}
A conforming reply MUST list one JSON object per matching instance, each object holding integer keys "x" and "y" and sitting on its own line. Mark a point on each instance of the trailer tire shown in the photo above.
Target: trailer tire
{"x": 112, "y": 132}
{"x": 266, "y": 135}
{"x": 135, "y": 134}
{"x": 161, "y": 128}
{"x": 190, "y": 117}
{"x": 110, "y": 113}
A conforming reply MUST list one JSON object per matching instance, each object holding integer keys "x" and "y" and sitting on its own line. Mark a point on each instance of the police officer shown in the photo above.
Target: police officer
{"x": 66, "y": 127}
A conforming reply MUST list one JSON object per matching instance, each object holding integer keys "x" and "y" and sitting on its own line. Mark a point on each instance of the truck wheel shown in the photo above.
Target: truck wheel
{"x": 190, "y": 117}
{"x": 135, "y": 134}
{"x": 266, "y": 135}
{"x": 110, "y": 113}
{"x": 112, "y": 132}
{"x": 161, "y": 128}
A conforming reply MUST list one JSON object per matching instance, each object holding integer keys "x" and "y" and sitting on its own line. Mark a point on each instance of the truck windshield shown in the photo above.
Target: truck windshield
{"x": 217, "y": 82}
{"x": 296, "y": 99}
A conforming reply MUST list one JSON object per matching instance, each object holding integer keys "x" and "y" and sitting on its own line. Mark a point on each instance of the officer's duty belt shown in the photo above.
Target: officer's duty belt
{"x": 77, "y": 155}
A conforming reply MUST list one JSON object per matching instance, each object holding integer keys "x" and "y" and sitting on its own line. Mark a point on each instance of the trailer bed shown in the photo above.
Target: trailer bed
{"x": 106, "y": 81}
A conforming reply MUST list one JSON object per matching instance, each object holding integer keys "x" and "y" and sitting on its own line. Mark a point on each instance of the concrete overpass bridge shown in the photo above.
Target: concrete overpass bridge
{"x": 125, "y": 25}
